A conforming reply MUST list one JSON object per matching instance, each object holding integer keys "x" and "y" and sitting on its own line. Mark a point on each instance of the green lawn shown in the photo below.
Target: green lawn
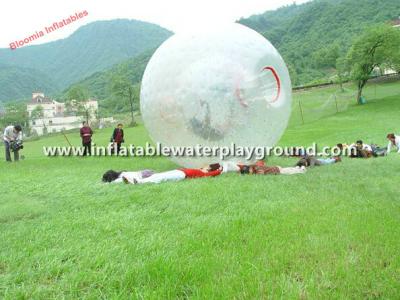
{"x": 333, "y": 233}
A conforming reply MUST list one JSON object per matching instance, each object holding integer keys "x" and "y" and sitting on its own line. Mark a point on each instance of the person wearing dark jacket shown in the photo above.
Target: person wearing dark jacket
{"x": 86, "y": 135}
{"x": 118, "y": 137}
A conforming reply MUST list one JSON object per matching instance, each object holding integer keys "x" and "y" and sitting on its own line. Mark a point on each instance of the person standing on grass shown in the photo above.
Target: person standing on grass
{"x": 394, "y": 140}
{"x": 12, "y": 134}
{"x": 118, "y": 137}
{"x": 86, "y": 135}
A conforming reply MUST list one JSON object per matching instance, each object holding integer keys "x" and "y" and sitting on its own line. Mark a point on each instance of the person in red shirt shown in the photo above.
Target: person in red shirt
{"x": 86, "y": 135}
{"x": 179, "y": 174}
{"x": 118, "y": 137}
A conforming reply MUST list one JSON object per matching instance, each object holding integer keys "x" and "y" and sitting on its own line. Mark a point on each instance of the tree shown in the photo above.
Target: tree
{"x": 37, "y": 114}
{"x": 83, "y": 110}
{"x": 293, "y": 74}
{"x": 378, "y": 47}
{"x": 78, "y": 93}
{"x": 327, "y": 56}
{"x": 123, "y": 88}
{"x": 341, "y": 68}
{"x": 77, "y": 97}
{"x": 14, "y": 113}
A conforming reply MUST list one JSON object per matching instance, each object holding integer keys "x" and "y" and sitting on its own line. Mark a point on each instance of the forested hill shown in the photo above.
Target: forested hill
{"x": 98, "y": 85}
{"x": 310, "y": 37}
{"x": 92, "y": 48}
{"x": 307, "y": 35}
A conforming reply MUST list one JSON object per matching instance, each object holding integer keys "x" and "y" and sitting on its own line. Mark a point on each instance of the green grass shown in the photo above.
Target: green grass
{"x": 333, "y": 233}
{"x": 320, "y": 102}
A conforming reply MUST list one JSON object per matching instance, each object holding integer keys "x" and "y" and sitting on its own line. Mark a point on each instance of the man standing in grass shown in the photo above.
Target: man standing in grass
{"x": 12, "y": 134}
{"x": 118, "y": 137}
{"x": 86, "y": 135}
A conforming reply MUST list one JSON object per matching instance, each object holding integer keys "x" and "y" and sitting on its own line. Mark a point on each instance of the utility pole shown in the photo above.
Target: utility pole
{"x": 301, "y": 112}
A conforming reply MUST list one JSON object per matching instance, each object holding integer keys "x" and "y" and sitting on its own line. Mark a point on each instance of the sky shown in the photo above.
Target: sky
{"x": 20, "y": 19}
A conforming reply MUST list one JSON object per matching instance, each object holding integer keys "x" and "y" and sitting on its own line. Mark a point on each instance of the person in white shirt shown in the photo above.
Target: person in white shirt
{"x": 118, "y": 177}
{"x": 394, "y": 140}
{"x": 367, "y": 147}
{"x": 12, "y": 134}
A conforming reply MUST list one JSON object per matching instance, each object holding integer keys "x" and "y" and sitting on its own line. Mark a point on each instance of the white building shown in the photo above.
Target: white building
{"x": 54, "y": 116}
{"x": 396, "y": 23}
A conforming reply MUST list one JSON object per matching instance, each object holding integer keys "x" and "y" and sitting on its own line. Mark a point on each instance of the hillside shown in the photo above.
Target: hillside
{"x": 133, "y": 68}
{"x": 16, "y": 82}
{"x": 98, "y": 84}
{"x": 92, "y": 48}
{"x": 305, "y": 34}
{"x": 309, "y": 36}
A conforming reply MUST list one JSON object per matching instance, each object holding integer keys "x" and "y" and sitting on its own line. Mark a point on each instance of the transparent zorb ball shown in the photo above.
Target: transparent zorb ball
{"x": 228, "y": 86}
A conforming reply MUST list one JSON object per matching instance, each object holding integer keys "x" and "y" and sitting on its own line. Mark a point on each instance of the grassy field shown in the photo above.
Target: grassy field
{"x": 333, "y": 233}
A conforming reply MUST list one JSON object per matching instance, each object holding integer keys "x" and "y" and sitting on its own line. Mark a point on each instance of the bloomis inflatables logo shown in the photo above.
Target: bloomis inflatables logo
{"x": 46, "y": 30}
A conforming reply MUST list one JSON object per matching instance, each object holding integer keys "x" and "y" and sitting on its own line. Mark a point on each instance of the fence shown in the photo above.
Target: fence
{"x": 315, "y": 103}
{"x": 380, "y": 78}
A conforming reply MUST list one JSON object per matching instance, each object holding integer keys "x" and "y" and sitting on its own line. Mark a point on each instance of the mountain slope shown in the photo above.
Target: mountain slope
{"x": 98, "y": 83}
{"x": 303, "y": 34}
{"x": 92, "y": 48}
{"x": 300, "y": 32}
{"x": 15, "y": 81}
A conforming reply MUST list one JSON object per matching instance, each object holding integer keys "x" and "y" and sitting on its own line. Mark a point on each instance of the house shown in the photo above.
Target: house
{"x": 47, "y": 115}
{"x": 396, "y": 22}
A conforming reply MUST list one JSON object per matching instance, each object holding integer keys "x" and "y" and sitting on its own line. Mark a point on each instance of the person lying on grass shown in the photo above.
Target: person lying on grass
{"x": 311, "y": 161}
{"x": 378, "y": 151}
{"x": 362, "y": 150}
{"x": 357, "y": 150}
{"x": 261, "y": 169}
{"x": 117, "y": 177}
{"x": 394, "y": 140}
{"x": 177, "y": 175}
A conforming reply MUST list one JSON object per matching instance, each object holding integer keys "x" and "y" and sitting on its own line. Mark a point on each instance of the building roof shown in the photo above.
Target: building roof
{"x": 40, "y": 99}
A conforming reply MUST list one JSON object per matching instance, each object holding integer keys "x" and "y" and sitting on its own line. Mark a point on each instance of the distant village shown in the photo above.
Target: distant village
{"x": 49, "y": 116}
